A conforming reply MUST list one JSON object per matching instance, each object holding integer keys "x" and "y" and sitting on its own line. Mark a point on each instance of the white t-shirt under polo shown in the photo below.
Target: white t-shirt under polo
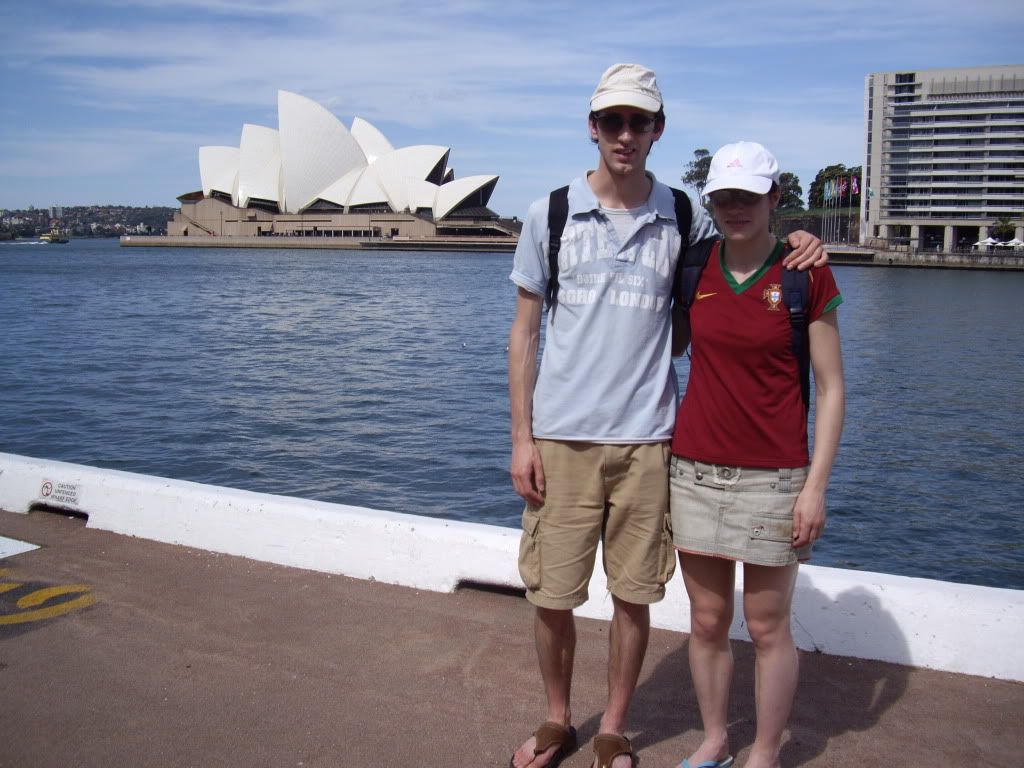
{"x": 606, "y": 373}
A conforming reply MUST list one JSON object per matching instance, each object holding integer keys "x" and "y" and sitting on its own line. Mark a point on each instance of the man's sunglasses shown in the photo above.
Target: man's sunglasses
{"x": 727, "y": 197}
{"x": 612, "y": 122}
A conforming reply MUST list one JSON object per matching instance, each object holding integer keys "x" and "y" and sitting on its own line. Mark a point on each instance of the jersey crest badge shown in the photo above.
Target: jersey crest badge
{"x": 773, "y": 295}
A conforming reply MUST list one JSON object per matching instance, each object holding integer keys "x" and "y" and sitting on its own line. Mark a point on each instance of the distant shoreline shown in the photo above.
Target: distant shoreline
{"x": 466, "y": 244}
{"x": 840, "y": 254}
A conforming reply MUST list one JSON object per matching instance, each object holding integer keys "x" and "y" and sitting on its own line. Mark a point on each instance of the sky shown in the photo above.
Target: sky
{"x": 108, "y": 101}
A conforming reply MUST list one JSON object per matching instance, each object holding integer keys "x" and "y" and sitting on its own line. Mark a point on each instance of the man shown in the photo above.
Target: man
{"x": 590, "y": 430}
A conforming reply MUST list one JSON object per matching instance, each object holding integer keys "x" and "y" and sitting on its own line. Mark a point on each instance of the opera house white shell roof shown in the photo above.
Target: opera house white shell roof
{"x": 312, "y": 158}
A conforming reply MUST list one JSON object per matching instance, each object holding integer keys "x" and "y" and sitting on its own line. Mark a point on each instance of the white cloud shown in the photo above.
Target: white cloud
{"x": 505, "y": 85}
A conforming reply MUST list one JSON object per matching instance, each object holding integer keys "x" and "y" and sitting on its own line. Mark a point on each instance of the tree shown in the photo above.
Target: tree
{"x": 696, "y": 175}
{"x": 816, "y": 194}
{"x": 792, "y": 193}
{"x": 1002, "y": 228}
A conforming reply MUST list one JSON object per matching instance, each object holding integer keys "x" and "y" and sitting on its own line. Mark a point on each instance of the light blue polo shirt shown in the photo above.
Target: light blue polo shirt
{"x": 606, "y": 373}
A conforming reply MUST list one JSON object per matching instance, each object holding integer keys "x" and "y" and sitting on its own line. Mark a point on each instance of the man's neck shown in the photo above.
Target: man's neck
{"x": 613, "y": 191}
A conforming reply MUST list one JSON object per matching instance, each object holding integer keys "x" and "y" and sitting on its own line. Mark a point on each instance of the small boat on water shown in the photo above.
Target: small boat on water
{"x": 55, "y": 235}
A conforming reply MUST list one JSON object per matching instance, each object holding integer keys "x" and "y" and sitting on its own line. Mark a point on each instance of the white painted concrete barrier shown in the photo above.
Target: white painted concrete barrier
{"x": 919, "y": 622}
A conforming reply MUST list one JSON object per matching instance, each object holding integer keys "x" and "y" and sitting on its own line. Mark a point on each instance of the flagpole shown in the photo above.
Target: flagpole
{"x": 835, "y": 208}
{"x": 832, "y": 212}
{"x": 855, "y": 190}
{"x": 842, "y": 199}
{"x": 828, "y": 210}
{"x": 824, "y": 197}
{"x": 849, "y": 214}
{"x": 828, "y": 213}
{"x": 839, "y": 210}
{"x": 837, "y": 197}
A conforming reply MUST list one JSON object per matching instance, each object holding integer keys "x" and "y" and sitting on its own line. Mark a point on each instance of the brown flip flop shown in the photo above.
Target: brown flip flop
{"x": 608, "y": 746}
{"x": 548, "y": 735}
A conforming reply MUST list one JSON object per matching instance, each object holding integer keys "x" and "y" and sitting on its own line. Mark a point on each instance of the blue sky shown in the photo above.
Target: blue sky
{"x": 109, "y": 101}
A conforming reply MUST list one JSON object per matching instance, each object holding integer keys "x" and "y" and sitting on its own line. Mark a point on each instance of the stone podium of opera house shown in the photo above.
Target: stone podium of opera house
{"x": 314, "y": 178}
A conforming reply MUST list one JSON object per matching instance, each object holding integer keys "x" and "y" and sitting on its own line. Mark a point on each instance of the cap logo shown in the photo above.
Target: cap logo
{"x": 735, "y": 164}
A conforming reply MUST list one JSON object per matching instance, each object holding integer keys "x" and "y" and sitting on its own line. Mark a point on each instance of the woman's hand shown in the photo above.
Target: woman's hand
{"x": 808, "y": 517}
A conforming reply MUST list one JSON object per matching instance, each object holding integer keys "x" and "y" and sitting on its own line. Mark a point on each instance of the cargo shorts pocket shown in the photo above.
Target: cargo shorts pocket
{"x": 529, "y": 552}
{"x": 667, "y": 558}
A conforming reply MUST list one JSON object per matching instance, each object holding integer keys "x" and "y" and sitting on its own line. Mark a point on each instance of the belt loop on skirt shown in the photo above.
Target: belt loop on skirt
{"x": 785, "y": 480}
{"x": 726, "y": 476}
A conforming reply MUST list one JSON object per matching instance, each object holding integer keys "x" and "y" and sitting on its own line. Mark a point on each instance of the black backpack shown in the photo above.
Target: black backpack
{"x": 689, "y": 266}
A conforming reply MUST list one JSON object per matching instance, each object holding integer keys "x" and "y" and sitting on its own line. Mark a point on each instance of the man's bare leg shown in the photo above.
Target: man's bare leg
{"x": 627, "y": 646}
{"x": 555, "y": 636}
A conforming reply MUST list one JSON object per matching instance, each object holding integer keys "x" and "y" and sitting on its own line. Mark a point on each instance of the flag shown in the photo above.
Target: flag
{"x": 842, "y": 188}
{"x": 854, "y": 188}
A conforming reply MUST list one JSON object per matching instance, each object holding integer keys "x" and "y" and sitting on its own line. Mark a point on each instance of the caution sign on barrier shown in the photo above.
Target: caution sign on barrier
{"x": 60, "y": 492}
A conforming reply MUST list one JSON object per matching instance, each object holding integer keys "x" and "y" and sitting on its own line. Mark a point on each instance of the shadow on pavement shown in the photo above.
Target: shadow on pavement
{"x": 835, "y": 694}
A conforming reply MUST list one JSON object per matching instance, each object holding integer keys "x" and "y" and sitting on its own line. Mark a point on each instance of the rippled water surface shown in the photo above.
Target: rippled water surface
{"x": 379, "y": 380}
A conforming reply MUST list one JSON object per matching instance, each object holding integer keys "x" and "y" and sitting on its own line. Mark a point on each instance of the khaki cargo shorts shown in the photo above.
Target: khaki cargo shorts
{"x": 740, "y": 513}
{"x": 618, "y": 493}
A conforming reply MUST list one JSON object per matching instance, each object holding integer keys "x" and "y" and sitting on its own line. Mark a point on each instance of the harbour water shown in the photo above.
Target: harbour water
{"x": 378, "y": 379}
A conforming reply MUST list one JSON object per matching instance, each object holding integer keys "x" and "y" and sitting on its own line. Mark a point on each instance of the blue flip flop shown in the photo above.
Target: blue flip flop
{"x": 725, "y": 762}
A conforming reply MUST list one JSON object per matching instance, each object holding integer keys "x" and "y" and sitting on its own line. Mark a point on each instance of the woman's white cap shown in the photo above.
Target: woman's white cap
{"x": 743, "y": 165}
{"x": 627, "y": 85}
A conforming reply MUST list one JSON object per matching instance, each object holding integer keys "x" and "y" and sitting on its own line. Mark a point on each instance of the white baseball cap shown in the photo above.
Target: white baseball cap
{"x": 627, "y": 85}
{"x": 743, "y": 165}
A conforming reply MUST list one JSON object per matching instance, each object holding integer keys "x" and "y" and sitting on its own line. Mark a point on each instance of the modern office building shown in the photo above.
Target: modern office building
{"x": 944, "y": 156}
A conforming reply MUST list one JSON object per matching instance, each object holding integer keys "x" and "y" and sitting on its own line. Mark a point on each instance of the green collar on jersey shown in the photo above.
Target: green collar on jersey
{"x": 737, "y": 287}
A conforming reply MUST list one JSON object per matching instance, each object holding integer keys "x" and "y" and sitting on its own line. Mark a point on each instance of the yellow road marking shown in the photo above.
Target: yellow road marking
{"x": 33, "y": 599}
{"x": 40, "y": 596}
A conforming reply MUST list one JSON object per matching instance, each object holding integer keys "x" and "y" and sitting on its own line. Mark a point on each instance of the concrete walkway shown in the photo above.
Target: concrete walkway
{"x": 190, "y": 658}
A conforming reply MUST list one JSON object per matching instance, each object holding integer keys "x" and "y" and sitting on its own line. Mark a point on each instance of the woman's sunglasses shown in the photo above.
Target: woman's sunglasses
{"x": 727, "y": 197}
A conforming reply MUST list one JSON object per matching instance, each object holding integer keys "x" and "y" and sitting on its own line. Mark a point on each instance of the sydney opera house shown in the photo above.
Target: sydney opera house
{"x": 314, "y": 178}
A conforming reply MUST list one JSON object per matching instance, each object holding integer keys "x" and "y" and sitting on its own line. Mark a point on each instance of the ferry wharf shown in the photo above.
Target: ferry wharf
{"x": 177, "y": 656}
{"x": 841, "y": 254}
{"x": 150, "y": 621}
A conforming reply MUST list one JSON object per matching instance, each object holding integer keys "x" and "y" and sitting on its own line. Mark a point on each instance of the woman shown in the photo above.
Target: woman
{"x": 743, "y": 486}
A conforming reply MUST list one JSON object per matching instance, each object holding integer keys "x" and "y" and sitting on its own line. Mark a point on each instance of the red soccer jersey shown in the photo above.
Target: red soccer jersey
{"x": 742, "y": 405}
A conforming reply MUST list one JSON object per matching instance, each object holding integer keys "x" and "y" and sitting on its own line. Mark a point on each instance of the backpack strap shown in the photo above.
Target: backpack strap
{"x": 684, "y": 218}
{"x": 558, "y": 212}
{"x": 795, "y": 295}
{"x": 690, "y": 268}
